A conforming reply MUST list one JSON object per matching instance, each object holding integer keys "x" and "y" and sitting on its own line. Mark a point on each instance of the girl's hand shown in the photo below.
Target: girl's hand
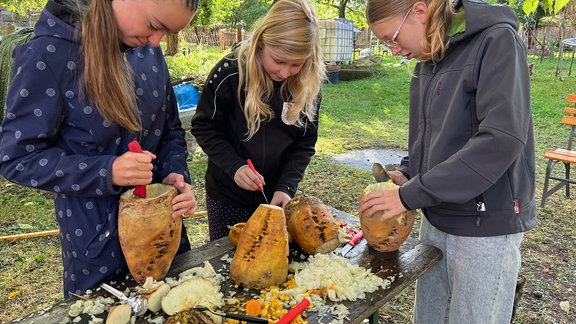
{"x": 248, "y": 180}
{"x": 280, "y": 198}
{"x": 387, "y": 201}
{"x": 185, "y": 202}
{"x": 132, "y": 169}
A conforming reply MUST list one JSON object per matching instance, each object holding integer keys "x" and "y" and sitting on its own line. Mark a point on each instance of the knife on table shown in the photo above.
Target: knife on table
{"x": 357, "y": 237}
{"x": 294, "y": 312}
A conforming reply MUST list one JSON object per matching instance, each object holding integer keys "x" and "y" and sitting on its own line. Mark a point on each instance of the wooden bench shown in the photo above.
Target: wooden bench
{"x": 564, "y": 155}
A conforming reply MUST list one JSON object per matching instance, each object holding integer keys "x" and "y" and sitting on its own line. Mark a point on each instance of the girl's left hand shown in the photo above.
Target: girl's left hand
{"x": 280, "y": 198}
{"x": 387, "y": 201}
{"x": 185, "y": 202}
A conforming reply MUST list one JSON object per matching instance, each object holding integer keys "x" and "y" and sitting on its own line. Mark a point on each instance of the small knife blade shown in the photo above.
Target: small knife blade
{"x": 117, "y": 293}
{"x": 251, "y": 166}
{"x": 357, "y": 237}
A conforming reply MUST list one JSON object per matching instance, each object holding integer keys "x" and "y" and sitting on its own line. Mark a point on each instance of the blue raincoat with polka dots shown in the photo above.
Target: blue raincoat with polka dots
{"x": 53, "y": 141}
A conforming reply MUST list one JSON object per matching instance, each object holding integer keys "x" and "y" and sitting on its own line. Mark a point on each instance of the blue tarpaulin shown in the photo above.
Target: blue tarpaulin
{"x": 187, "y": 96}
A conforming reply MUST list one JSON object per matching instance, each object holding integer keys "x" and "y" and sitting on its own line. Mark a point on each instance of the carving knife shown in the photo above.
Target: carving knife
{"x": 251, "y": 166}
{"x": 139, "y": 191}
{"x": 380, "y": 173}
{"x": 357, "y": 237}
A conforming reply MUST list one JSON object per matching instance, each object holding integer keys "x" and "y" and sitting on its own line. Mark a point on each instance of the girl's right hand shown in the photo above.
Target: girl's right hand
{"x": 398, "y": 177}
{"x": 132, "y": 169}
{"x": 248, "y": 180}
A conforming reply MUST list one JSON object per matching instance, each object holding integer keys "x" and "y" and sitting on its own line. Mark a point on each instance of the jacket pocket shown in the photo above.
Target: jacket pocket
{"x": 104, "y": 234}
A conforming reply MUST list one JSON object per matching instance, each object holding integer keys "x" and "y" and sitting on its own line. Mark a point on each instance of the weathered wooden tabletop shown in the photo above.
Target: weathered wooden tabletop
{"x": 404, "y": 266}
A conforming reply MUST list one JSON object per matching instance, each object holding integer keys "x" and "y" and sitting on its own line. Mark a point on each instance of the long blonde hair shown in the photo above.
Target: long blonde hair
{"x": 107, "y": 76}
{"x": 291, "y": 26}
{"x": 438, "y": 21}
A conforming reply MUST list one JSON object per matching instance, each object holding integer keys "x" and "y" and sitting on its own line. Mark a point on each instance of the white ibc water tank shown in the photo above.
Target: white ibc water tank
{"x": 337, "y": 39}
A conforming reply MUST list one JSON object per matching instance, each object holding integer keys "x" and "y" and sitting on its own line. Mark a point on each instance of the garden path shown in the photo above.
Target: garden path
{"x": 363, "y": 159}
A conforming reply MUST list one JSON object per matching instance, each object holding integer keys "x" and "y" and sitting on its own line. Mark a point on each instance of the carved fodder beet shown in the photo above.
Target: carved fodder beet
{"x": 261, "y": 258}
{"x": 148, "y": 234}
{"x": 388, "y": 235}
{"x": 311, "y": 225}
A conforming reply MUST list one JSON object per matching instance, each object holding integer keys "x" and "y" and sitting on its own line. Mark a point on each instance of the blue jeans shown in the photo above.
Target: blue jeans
{"x": 473, "y": 283}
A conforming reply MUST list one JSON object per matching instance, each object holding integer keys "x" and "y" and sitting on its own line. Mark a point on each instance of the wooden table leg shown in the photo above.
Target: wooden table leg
{"x": 571, "y": 60}
{"x": 560, "y": 61}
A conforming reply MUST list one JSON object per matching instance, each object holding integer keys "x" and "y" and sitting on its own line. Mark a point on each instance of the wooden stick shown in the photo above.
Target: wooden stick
{"x": 55, "y": 232}
{"x": 196, "y": 214}
{"x": 28, "y": 235}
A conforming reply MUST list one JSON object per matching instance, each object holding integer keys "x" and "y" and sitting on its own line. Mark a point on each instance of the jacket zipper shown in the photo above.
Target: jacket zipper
{"x": 423, "y": 136}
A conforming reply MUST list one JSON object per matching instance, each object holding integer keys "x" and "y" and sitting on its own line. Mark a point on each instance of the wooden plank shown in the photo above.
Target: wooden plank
{"x": 561, "y": 155}
{"x": 571, "y": 98}
{"x": 28, "y": 235}
{"x": 404, "y": 266}
{"x": 569, "y": 120}
{"x": 55, "y": 232}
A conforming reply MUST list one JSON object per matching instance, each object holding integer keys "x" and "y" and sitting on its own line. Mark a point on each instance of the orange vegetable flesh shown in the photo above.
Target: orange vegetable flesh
{"x": 253, "y": 307}
{"x": 235, "y": 231}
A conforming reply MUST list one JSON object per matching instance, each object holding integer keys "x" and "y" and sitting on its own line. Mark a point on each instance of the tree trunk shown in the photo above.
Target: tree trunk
{"x": 171, "y": 44}
{"x": 342, "y": 9}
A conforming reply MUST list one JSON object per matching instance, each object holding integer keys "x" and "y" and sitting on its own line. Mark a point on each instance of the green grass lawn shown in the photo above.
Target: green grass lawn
{"x": 365, "y": 113}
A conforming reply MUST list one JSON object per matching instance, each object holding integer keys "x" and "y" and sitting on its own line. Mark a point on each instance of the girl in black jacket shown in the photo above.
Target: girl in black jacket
{"x": 260, "y": 103}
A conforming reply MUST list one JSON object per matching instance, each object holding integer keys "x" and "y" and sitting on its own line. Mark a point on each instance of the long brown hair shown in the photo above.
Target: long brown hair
{"x": 291, "y": 26}
{"x": 107, "y": 76}
{"x": 438, "y": 21}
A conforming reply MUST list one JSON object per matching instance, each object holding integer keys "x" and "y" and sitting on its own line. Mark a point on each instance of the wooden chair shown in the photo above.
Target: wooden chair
{"x": 567, "y": 156}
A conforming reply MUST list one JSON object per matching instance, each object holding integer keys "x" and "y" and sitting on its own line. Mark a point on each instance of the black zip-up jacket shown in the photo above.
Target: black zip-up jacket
{"x": 280, "y": 152}
{"x": 471, "y": 143}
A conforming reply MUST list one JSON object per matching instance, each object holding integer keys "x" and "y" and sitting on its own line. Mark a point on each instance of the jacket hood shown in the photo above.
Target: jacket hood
{"x": 59, "y": 20}
{"x": 481, "y": 15}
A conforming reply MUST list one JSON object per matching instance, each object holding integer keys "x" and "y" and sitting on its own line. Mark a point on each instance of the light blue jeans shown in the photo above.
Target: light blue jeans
{"x": 473, "y": 283}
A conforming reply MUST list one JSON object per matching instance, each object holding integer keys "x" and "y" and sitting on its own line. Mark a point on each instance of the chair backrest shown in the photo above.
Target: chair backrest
{"x": 570, "y": 119}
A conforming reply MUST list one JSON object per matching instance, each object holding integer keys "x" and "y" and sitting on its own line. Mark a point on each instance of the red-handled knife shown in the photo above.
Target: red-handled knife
{"x": 140, "y": 190}
{"x": 288, "y": 317}
{"x": 251, "y": 166}
{"x": 357, "y": 237}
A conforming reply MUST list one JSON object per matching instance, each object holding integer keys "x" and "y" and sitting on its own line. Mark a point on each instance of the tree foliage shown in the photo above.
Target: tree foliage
{"x": 354, "y": 10}
{"x": 549, "y": 6}
{"x": 230, "y": 13}
{"x": 22, "y": 7}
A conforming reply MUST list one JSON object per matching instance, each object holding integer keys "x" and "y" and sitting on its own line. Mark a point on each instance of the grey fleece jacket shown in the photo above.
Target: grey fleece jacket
{"x": 471, "y": 156}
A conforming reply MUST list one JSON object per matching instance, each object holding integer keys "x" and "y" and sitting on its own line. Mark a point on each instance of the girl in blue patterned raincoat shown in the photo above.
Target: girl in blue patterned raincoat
{"x": 90, "y": 81}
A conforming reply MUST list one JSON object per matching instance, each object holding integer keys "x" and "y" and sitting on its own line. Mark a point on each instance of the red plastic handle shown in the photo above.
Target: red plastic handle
{"x": 139, "y": 191}
{"x": 288, "y": 317}
{"x": 357, "y": 237}
{"x": 134, "y": 146}
{"x": 251, "y": 166}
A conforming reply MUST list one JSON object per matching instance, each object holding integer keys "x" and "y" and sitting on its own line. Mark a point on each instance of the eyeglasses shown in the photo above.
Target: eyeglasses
{"x": 392, "y": 42}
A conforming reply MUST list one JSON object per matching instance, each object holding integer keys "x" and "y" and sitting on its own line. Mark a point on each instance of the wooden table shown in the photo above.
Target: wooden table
{"x": 405, "y": 265}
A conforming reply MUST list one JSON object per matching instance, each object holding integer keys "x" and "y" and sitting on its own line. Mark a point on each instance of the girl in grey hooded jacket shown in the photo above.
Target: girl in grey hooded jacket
{"x": 471, "y": 163}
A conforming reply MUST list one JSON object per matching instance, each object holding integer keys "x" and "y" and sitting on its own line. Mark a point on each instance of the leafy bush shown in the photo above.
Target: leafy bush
{"x": 193, "y": 62}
